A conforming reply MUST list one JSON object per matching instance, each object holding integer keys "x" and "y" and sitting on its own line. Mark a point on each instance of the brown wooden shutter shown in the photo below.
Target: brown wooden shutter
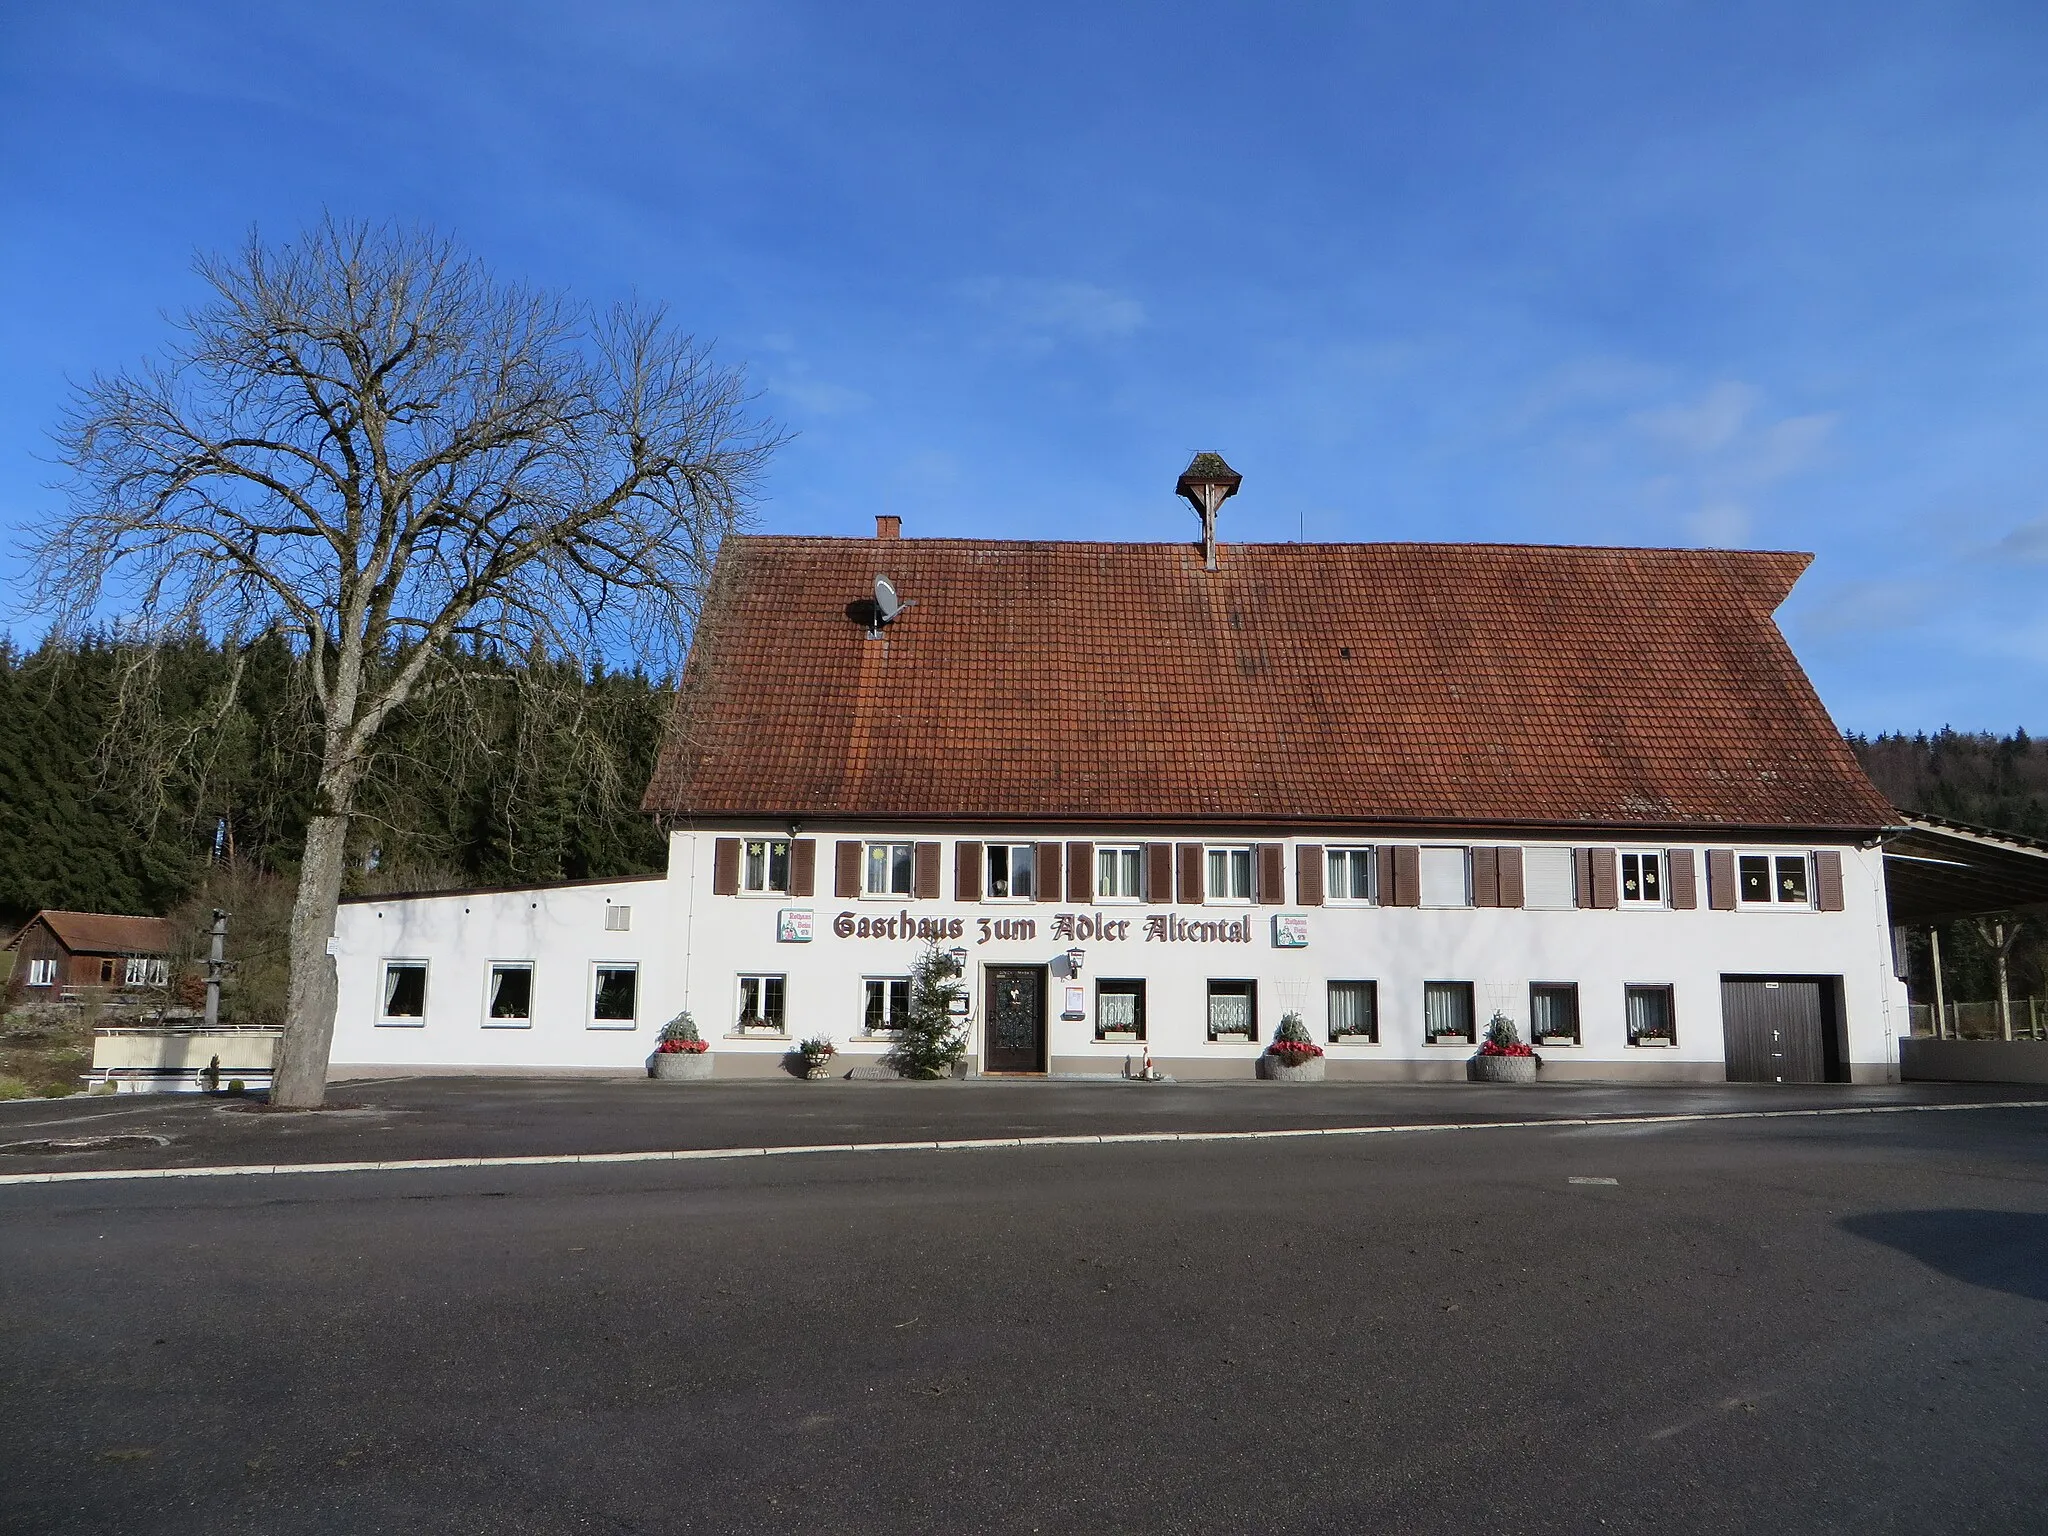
{"x": 1189, "y": 889}
{"x": 1510, "y": 877}
{"x": 1681, "y": 879}
{"x": 1387, "y": 878}
{"x": 1081, "y": 872}
{"x": 846, "y": 870}
{"x": 1827, "y": 879}
{"x": 1270, "y": 859}
{"x": 1582, "y": 877}
{"x": 967, "y": 871}
{"x": 1407, "y": 875}
{"x": 1308, "y": 874}
{"x": 1485, "y": 877}
{"x": 1606, "y": 878}
{"x": 725, "y": 866}
{"x": 1721, "y": 879}
{"x": 924, "y": 872}
{"x": 1159, "y": 873}
{"x": 1048, "y": 872}
{"x": 803, "y": 866}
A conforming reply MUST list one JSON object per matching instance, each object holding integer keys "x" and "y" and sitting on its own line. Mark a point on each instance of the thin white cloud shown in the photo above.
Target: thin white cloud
{"x": 1040, "y": 313}
{"x": 1859, "y": 607}
{"x": 1722, "y": 525}
{"x": 2027, "y": 543}
{"x": 1703, "y": 427}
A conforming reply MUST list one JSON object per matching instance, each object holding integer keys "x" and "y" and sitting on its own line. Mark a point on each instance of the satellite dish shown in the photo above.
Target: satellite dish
{"x": 888, "y": 607}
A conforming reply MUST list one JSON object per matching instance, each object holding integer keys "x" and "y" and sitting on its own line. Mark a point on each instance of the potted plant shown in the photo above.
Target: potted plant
{"x": 817, "y": 1053}
{"x": 1293, "y": 1057}
{"x": 681, "y": 1052}
{"x": 1502, "y": 1057}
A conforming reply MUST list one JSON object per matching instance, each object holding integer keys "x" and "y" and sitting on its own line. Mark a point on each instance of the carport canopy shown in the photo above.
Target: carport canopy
{"x": 1935, "y": 870}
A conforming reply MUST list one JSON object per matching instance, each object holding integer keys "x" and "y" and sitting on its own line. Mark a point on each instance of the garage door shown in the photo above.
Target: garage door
{"x": 1778, "y": 1029}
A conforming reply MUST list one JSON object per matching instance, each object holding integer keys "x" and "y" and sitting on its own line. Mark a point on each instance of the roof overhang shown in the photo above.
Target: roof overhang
{"x": 1935, "y": 870}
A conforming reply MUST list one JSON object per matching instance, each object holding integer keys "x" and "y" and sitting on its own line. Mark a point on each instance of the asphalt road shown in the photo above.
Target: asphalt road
{"x": 442, "y": 1117}
{"x": 1806, "y": 1324}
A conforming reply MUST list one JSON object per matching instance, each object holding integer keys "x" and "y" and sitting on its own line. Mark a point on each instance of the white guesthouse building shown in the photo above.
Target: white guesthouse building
{"x": 1155, "y": 797}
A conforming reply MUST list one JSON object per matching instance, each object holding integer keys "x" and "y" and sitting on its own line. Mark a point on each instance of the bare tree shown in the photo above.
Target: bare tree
{"x": 363, "y": 439}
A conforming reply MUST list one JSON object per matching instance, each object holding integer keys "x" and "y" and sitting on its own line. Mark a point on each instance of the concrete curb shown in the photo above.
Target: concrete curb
{"x": 727, "y": 1154}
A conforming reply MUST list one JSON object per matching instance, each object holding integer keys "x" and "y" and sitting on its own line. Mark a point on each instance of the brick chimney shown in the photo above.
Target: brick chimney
{"x": 888, "y": 527}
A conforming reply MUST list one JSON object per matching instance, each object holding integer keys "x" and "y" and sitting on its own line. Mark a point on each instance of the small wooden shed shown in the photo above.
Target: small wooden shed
{"x": 58, "y": 954}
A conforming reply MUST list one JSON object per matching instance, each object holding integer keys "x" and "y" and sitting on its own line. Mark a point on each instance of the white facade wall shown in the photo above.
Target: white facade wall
{"x": 560, "y": 930}
{"x": 693, "y": 946}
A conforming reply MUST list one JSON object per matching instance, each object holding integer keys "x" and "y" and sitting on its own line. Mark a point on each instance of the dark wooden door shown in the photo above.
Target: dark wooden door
{"x": 1015, "y": 1018}
{"x": 1774, "y": 1028}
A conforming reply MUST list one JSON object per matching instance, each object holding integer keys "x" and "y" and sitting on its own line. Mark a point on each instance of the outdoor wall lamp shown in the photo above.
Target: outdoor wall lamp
{"x": 1074, "y": 959}
{"x": 959, "y": 959}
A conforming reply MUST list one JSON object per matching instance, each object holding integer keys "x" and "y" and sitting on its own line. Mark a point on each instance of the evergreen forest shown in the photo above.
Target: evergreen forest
{"x": 131, "y": 777}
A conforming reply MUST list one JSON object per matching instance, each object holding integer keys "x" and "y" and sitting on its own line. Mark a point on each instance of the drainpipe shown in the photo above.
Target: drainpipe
{"x": 1940, "y": 1005}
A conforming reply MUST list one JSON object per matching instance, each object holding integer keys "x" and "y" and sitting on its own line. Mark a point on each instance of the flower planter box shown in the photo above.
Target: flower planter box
{"x": 817, "y": 1068}
{"x": 1119, "y": 1036}
{"x": 1501, "y": 1069}
{"x": 682, "y": 1066}
{"x": 1274, "y": 1069}
{"x": 1654, "y": 1042}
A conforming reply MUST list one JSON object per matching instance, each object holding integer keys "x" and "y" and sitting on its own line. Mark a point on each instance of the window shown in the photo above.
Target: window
{"x": 1234, "y": 1007}
{"x": 1354, "y": 1012}
{"x": 764, "y": 865}
{"x": 1120, "y": 1010}
{"x": 617, "y": 919}
{"x": 1447, "y": 1012}
{"x": 1010, "y": 868}
{"x": 1554, "y": 1013}
{"x": 887, "y": 1003}
{"x": 145, "y": 972}
{"x": 1119, "y": 874}
{"x": 615, "y": 997}
{"x": 42, "y": 973}
{"x": 1763, "y": 880}
{"x": 1230, "y": 874}
{"x": 1642, "y": 882}
{"x": 1444, "y": 878}
{"x": 405, "y": 991}
{"x": 510, "y": 999}
{"x": 761, "y": 999}
{"x": 889, "y": 868}
{"x": 1547, "y": 880}
{"x": 1650, "y": 1017}
{"x": 1349, "y": 875}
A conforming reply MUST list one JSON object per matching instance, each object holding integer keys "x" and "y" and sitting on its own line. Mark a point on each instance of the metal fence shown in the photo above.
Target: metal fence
{"x": 2027, "y": 1016}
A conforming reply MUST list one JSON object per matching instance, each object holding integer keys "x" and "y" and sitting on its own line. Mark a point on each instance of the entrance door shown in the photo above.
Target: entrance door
{"x": 1778, "y": 1029}
{"x": 1016, "y": 1019}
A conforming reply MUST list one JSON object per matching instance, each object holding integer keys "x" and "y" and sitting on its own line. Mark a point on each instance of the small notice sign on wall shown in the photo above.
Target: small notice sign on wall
{"x": 1077, "y": 1003}
{"x": 1290, "y": 930}
{"x": 793, "y": 925}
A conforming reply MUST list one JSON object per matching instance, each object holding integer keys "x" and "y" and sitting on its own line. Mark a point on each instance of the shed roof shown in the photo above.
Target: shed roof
{"x": 103, "y": 933}
{"x": 1381, "y": 683}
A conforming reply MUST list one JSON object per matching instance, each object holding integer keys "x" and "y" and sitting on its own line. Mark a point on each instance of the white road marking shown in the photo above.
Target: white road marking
{"x": 724, "y": 1154}
{"x": 1582, "y": 1179}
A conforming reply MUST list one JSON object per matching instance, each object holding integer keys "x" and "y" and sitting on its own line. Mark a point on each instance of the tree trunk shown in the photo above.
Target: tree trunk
{"x": 301, "y": 1078}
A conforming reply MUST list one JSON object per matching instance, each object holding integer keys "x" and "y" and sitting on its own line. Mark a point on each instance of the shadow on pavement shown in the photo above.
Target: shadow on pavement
{"x": 1999, "y": 1250}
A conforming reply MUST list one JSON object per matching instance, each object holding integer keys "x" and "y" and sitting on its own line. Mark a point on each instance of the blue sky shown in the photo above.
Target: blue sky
{"x": 1635, "y": 271}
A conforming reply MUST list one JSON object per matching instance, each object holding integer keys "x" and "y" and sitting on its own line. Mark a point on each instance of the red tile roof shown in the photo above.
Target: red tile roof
{"x": 1435, "y": 683}
{"x": 103, "y": 933}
